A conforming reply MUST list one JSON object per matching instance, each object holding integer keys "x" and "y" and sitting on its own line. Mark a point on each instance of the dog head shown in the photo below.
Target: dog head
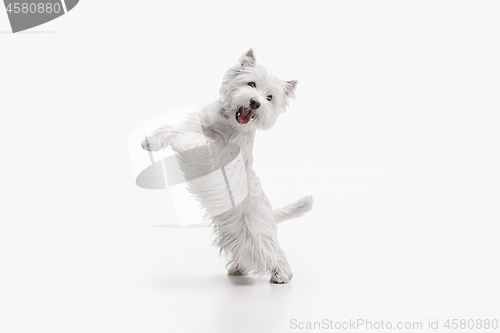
{"x": 251, "y": 96}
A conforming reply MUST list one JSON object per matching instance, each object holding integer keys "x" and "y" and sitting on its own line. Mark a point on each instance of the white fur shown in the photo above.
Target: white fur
{"x": 247, "y": 233}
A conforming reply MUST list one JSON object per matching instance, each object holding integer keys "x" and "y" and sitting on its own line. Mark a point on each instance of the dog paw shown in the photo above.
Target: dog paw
{"x": 145, "y": 144}
{"x": 236, "y": 272}
{"x": 152, "y": 143}
{"x": 281, "y": 276}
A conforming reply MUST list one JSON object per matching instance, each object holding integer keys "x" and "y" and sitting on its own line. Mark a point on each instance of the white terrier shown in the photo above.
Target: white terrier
{"x": 250, "y": 98}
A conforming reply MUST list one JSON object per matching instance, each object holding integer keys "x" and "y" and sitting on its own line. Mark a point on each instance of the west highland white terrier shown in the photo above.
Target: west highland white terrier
{"x": 250, "y": 98}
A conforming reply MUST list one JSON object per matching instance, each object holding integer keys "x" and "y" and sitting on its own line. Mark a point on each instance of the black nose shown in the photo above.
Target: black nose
{"x": 254, "y": 104}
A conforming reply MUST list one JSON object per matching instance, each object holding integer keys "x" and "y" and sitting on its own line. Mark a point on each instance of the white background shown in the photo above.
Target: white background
{"x": 408, "y": 88}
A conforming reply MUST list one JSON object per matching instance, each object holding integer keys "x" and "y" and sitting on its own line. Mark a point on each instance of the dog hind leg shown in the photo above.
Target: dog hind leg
{"x": 282, "y": 273}
{"x": 236, "y": 271}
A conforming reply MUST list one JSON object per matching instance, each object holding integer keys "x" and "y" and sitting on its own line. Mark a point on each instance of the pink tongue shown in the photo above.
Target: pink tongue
{"x": 245, "y": 116}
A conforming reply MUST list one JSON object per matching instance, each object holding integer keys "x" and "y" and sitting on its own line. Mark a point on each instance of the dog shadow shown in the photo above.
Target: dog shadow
{"x": 243, "y": 280}
{"x": 200, "y": 283}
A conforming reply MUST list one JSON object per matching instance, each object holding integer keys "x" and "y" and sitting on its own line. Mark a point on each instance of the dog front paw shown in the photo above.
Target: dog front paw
{"x": 145, "y": 144}
{"x": 152, "y": 143}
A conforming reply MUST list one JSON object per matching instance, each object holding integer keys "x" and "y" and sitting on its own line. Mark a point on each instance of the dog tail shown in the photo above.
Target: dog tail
{"x": 293, "y": 210}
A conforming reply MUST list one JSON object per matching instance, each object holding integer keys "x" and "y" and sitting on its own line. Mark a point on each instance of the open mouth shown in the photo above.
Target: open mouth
{"x": 244, "y": 115}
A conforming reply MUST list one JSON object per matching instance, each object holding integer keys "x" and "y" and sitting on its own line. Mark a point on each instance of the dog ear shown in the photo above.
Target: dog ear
{"x": 248, "y": 59}
{"x": 290, "y": 88}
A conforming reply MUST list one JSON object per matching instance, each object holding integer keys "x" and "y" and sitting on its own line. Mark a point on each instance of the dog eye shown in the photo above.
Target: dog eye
{"x": 269, "y": 97}
{"x": 251, "y": 84}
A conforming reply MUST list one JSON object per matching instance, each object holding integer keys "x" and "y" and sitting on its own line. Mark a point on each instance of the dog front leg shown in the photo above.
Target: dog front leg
{"x": 160, "y": 138}
{"x": 184, "y": 141}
